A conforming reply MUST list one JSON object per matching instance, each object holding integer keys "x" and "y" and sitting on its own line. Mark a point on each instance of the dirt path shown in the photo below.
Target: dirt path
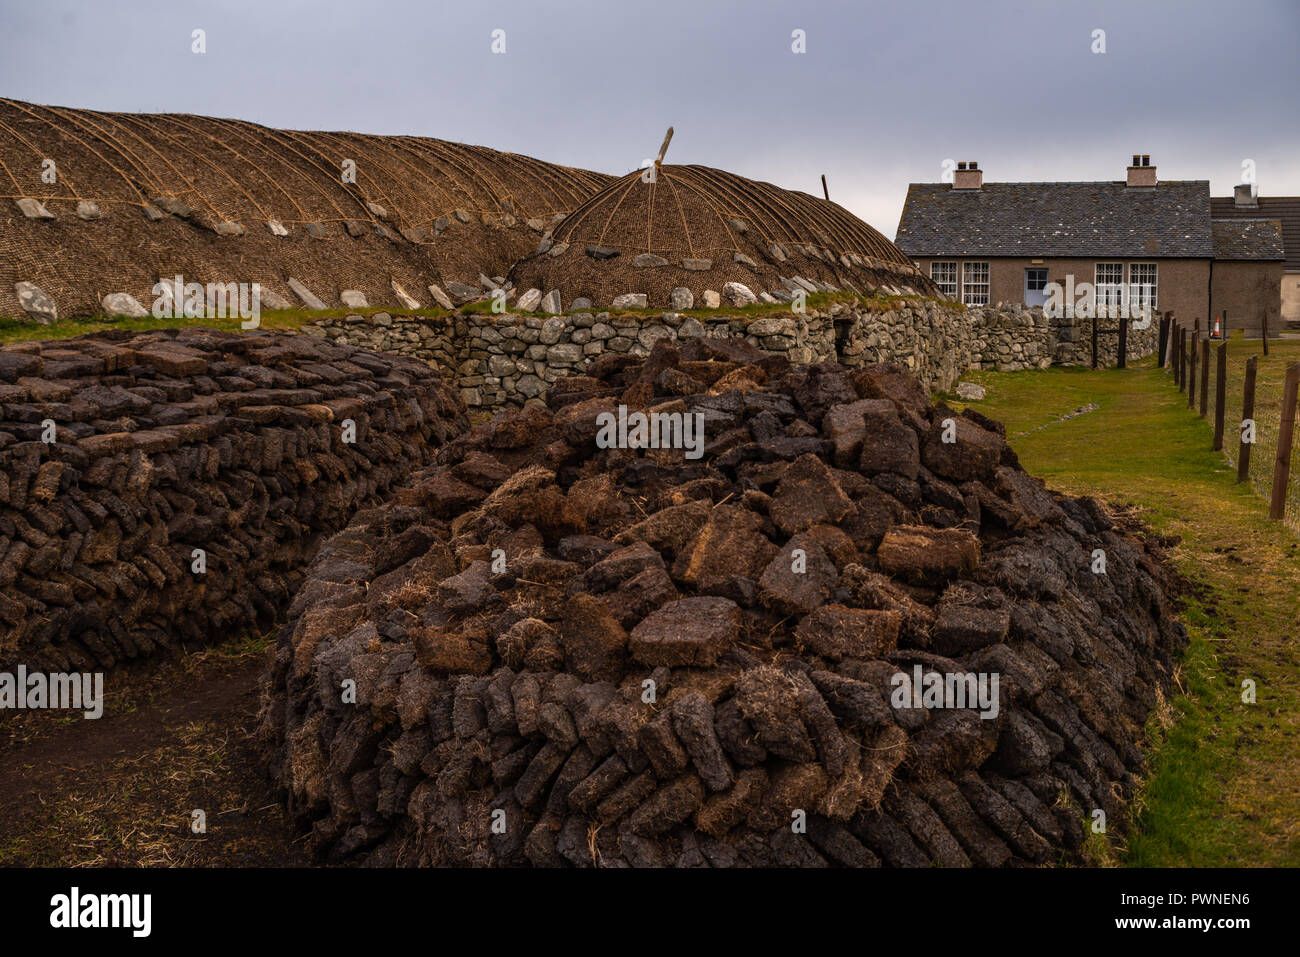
{"x": 121, "y": 790}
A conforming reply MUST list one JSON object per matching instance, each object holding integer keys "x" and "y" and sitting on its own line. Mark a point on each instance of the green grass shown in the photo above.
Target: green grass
{"x": 12, "y": 330}
{"x": 1267, "y": 415}
{"x": 21, "y": 330}
{"x": 1223, "y": 787}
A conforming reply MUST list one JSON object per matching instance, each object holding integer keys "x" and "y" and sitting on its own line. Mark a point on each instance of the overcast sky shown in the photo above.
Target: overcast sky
{"x": 884, "y": 93}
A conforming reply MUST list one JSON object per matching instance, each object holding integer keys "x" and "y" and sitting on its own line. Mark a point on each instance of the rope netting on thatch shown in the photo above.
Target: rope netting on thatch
{"x": 421, "y": 209}
{"x": 230, "y": 170}
{"x": 698, "y": 227}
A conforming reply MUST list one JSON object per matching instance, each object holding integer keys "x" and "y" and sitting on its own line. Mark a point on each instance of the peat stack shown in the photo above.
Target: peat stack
{"x": 547, "y": 652}
{"x": 700, "y": 229}
{"x": 170, "y": 486}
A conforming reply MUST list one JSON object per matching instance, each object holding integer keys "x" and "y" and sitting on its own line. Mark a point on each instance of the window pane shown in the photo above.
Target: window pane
{"x": 975, "y": 284}
{"x": 1143, "y": 285}
{"x": 944, "y": 275}
{"x": 1109, "y": 286}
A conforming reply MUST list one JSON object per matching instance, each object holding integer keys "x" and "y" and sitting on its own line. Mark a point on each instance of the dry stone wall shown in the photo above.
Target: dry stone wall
{"x": 166, "y": 487}
{"x": 508, "y": 359}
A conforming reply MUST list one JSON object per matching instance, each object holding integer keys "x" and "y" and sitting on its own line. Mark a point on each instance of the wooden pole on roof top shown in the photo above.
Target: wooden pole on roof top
{"x": 668, "y": 137}
{"x": 825, "y": 190}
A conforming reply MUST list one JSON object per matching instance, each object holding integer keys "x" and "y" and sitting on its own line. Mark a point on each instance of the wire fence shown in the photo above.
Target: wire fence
{"x": 1270, "y": 390}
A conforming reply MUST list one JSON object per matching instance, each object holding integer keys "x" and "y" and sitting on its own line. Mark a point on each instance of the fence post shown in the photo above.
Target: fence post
{"x": 1164, "y": 341}
{"x": 1220, "y": 386}
{"x": 1263, "y": 330}
{"x": 1247, "y": 413}
{"x": 1191, "y": 366}
{"x": 1282, "y": 467}
{"x": 1179, "y": 350}
{"x": 1121, "y": 360}
{"x": 1205, "y": 376}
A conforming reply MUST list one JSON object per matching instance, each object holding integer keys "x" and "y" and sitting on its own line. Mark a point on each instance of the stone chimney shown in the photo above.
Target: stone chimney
{"x": 968, "y": 175}
{"x": 1244, "y": 195}
{"x": 1141, "y": 173}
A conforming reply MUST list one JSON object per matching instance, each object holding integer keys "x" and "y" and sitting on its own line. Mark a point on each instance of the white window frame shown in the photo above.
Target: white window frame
{"x": 975, "y": 285}
{"x": 1108, "y": 293}
{"x": 1142, "y": 292}
{"x": 947, "y": 286}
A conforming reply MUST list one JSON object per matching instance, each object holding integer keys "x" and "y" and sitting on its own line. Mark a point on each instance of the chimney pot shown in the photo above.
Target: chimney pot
{"x": 1244, "y": 195}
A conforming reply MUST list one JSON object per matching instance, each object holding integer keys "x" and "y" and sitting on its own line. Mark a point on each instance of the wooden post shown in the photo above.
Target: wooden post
{"x": 668, "y": 138}
{"x": 1263, "y": 330}
{"x": 1205, "y": 377}
{"x": 1285, "y": 437}
{"x": 1182, "y": 359}
{"x": 1164, "y": 339}
{"x": 1191, "y": 375}
{"x": 825, "y": 190}
{"x": 1220, "y": 398}
{"x": 1247, "y": 413}
{"x": 1121, "y": 361}
{"x": 1180, "y": 350}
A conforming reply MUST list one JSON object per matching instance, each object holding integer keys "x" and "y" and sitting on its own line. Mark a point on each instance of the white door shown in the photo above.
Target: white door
{"x": 1036, "y": 286}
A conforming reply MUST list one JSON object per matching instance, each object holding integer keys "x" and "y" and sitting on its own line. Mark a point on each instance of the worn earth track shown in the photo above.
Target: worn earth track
{"x": 121, "y": 790}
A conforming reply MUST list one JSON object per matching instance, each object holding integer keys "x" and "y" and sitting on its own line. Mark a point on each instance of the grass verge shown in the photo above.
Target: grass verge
{"x": 1223, "y": 783}
{"x": 22, "y": 330}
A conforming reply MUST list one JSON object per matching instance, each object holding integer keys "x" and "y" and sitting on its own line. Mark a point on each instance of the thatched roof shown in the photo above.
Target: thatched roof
{"x": 700, "y": 228}
{"x": 420, "y": 210}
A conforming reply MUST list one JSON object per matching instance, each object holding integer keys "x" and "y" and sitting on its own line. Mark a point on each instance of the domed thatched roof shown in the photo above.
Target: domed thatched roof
{"x": 700, "y": 228}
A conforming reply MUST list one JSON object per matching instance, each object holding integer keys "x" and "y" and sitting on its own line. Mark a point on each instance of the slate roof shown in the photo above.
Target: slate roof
{"x": 1284, "y": 209}
{"x": 1248, "y": 239}
{"x": 1083, "y": 220}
